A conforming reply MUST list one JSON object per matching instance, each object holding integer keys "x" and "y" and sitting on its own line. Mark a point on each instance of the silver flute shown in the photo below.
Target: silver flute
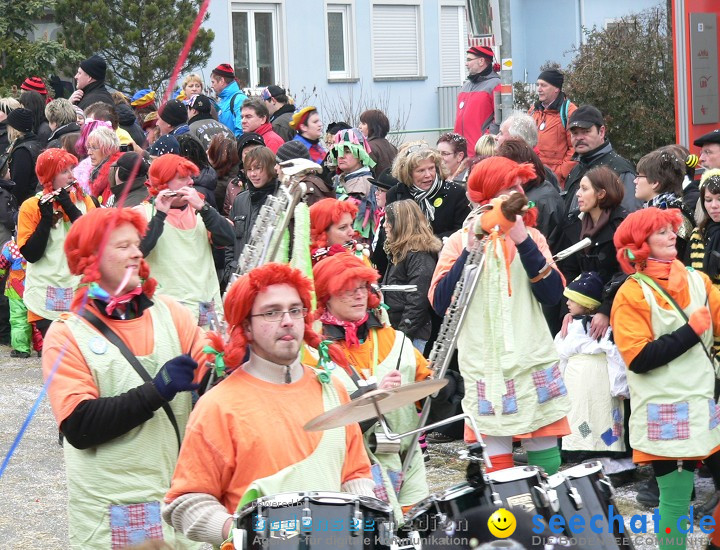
{"x": 51, "y": 196}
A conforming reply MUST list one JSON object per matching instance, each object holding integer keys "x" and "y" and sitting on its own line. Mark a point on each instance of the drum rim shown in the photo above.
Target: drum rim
{"x": 587, "y": 468}
{"x": 292, "y": 498}
{"x": 503, "y": 476}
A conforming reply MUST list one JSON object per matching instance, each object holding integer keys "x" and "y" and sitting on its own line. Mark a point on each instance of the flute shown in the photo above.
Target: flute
{"x": 51, "y": 196}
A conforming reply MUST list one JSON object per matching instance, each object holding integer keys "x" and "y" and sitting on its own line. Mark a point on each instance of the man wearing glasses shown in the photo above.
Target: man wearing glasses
{"x": 245, "y": 439}
{"x": 475, "y": 103}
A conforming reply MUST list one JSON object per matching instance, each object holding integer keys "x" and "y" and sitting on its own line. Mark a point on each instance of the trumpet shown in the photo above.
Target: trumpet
{"x": 51, "y": 196}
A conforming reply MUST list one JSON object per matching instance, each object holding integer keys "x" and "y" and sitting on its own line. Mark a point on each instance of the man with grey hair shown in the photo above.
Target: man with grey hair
{"x": 62, "y": 119}
{"x": 521, "y": 125}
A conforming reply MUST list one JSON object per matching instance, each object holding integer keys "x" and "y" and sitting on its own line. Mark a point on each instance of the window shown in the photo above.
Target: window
{"x": 256, "y": 45}
{"x": 340, "y": 43}
{"x": 396, "y": 41}
{"x": 453, "y": 44}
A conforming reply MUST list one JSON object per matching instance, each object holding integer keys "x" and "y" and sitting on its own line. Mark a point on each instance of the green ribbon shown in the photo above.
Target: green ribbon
{"x": 325, "y": 364}
{"x": 219, "y": 360}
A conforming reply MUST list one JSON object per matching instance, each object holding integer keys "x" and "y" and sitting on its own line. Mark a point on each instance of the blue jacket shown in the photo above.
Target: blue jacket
{"x": 225, "y": 114}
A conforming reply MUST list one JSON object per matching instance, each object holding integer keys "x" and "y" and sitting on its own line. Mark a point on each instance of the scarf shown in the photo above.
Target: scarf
{"x": 350, "y": 327}
{"x": 671, "y": 275}
{"x": 477, "y": 76}
{"x": 120, "y": 302}
{"x": 590, "y": 228}
{"x": 259, "y": 194}
{"x": 711, "y": 258}
{"x": 423, "y": 198}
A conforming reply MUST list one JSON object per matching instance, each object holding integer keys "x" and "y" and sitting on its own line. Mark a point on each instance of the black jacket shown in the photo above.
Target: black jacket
{"x": 451, "y": 208}
{"x": 23, "y": 155}
{"x": 205, "y": 183}
{"x": 54, "y": 141}
{"x": 94, "y": 92}
{"x": 280, "y": 121}
{"x": 410, "y": 311}
{"x": 550, "y": 208}
{"x": 599, "y": 257}
{"x": 128, "y": 122}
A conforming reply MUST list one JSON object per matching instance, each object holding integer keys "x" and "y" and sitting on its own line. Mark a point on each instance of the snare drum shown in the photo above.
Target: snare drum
{"x": 584, "y": 490}
{"x": 318, "y": 520}
{"x": 522, "y": 487}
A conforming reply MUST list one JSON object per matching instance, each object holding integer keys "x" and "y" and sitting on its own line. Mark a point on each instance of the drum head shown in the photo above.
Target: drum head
{"x": 582, "y": 470}
{"x": 514, "y": 474}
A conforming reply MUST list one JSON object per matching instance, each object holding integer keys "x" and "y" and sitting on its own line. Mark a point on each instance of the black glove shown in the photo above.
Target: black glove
{"x": 63, "y": 198}
{"x": 46, "y": 210}
{"x": 175, "y": 376}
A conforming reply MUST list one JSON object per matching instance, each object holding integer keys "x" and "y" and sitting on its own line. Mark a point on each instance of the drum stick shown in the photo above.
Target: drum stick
{"x": 569, "y": 251}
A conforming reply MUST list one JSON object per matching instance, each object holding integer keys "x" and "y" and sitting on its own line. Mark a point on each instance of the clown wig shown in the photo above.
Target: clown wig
{"x": 325, "y": 213}
{"x": 165, "y": 168}
{"x": 495, "y": 174}
{"x": 339, "y": 273}
{"x": 632, "y": 235}
{"x": 52, "y": 162}
{"x": 83, "y": 243}
{"x": 241, "y": 297}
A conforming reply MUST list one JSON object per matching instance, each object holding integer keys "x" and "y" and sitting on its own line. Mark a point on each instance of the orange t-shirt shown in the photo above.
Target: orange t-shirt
{"x": 246, "y": 429}
{"x": 73, "y": 382}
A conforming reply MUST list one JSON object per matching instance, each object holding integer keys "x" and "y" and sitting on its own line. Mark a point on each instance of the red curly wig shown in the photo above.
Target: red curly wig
{"x": 493, "y": 174}
{"x": 86, "y": 238}
{"x": 339, "y": 273}
{"x": 165, "y": 168}
{"x": 323, "y": 214}
{"x": 632, "y": 234}
{"x": 241, "y": 297}
{"x": 52, "y": 162}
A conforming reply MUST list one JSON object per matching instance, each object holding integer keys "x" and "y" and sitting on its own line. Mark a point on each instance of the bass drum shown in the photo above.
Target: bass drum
{"x": 584, "y": 490}
{"x": 522, "y": 487}
{"x": 317, "y": 520}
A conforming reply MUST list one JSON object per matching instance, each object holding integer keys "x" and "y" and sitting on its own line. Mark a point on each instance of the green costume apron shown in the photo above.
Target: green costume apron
{"x": 320, "y": 471}
{"x": 118, "y": 487}
{"x": 673, "y": 410}
{"x": 49, "y": 285}
{"x": 506, "y": 354}
{"x": 183, "y": 265}
{"x": 390, "y": 486}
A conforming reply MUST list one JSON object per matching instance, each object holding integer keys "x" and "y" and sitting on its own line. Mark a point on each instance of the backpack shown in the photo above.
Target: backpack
{"x": 564, "y": 111}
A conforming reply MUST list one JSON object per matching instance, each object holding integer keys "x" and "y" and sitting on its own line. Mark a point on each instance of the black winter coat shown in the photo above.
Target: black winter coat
{"x": 55, "y": 142}
{"x": 410, "y": 311}
{"x": 451, "y": 206}
{"x": 94, "y": 92}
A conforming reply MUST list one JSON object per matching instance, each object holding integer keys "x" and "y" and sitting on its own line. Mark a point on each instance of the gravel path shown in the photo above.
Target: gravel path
{"x": 33, "y": 488}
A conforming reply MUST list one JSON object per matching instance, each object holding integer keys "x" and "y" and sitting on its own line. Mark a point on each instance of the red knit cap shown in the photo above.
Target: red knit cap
{"x": 481, "y": 51}
{"x": 632, "y": 234}
{"x": 34, "y": 84}
{"x": 224, "y": 69}
{"x": 83, "y": 242}
{"x": 165, "y": 168}
{"x": 241, "y": 297}
{"x": 323, "y": 214}
{"x": 338, "y": 273}
{"x": 52, "y": 162}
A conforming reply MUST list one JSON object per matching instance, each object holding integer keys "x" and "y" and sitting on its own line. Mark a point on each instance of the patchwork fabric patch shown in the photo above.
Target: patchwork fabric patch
{"x": 509, "y": 400}
{"x": 584, "y": 429}
{"x": 549, "y": 384}
{"x": 617, "y": 427}
{"x": 379, "y": 490}
{"x": 58, "y": 299}
{"x": 396, "y": 479}
{"x": 714, "y": 413}
{"x": 608, "y": 437}
{"x": 132, "y": 524}
{"x": 668, "y": 421}
{"x": 485, "y": 408}
{"x": 206, "y": 313}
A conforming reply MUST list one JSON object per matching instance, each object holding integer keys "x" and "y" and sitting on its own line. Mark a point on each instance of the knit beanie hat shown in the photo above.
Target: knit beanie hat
{"x": 127, "y": 162}
{"x": 482, "y": 51}
{"x": 95, "y": 67}
{"x": 142, "y": 98}
{"x": 174, "y": 113}
{"x": 586, "y": 290}
{"x": 34, "y": 84}
{"x": 52, "y": 162}
{"x": 21, "y": 119}
{"x": 224, "y": 69}
{"x": 553, "y": 77}
{"x": 632, "y": 234}
{"x": 292, "y": 150}
{"x": 163, "y": 146}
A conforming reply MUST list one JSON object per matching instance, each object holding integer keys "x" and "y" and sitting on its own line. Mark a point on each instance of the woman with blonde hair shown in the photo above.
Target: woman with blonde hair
{"x": 192, "y": 85}
{"x": 412, "y": 251}
{"x": 103, "y": 147}
{"x": 486, "y": 145}
{"x": 422, "y": 178}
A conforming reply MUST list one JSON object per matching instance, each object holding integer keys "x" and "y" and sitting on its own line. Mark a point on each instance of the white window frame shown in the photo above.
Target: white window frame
{"x": 462, "y": 43}
{"x": 276, "y": 9}
{"x": 418, "y": 4}
{"x": 347, "y": 9}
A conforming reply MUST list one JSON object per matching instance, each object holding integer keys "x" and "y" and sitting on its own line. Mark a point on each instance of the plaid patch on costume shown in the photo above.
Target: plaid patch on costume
{"x": 549, "y": 384}
{"x": 58, "y": 299}
{"x": 617, "y": 427}
{"x": 584, "y": 429}
{"x": 714, "y": 413}
{"x": 206, "y": 312}
{"x": 132, "y": 524}
{"x": 379, "y": 490}
{"x": 509, "y": 400}
{"x": 668, "y": 421}
{"x": 485, "y": 408}
{"x": 396, "y": 479}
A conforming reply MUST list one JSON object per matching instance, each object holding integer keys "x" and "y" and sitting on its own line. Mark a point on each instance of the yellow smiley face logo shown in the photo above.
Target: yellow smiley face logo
{"x": 502, "y": 523}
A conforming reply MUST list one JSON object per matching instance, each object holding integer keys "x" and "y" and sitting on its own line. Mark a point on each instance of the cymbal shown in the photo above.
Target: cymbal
{"x": 363, "y": 407}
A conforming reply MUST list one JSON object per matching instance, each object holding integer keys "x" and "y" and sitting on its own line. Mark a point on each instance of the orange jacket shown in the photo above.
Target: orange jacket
{"x": 554, "y": 147}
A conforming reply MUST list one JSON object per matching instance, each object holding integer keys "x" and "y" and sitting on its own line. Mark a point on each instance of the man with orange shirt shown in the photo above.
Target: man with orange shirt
{"x": 115, "y": 361}
{"x": 245, "y": 438}
{"x": 378, "y": 354}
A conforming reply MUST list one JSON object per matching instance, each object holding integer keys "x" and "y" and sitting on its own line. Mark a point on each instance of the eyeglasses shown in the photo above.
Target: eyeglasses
{"x": 91, "y": 148}
{"x": 276, "y": 315}
{"x": 350, "y": 294}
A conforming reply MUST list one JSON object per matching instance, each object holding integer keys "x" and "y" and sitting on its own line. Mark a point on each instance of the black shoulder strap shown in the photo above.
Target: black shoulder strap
{"x": 232, "y": 103}
{"x": 115, "y": 340}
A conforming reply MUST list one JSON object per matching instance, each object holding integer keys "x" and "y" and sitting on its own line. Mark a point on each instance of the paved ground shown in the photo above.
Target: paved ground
{"x": 33, "y": 490}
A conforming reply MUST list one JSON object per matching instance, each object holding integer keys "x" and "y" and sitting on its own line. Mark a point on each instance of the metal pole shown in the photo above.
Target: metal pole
{"x": 506, "y": 74}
